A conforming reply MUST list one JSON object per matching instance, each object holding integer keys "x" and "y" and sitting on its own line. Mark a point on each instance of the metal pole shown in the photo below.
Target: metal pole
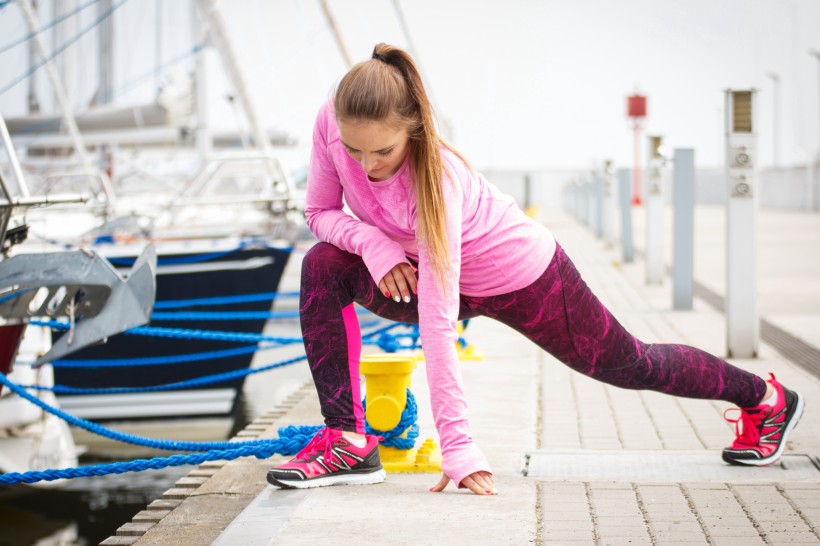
{"x": 742, "y": 322}
{"x": 610, "y": 204}
{"x": 775, "y": 118}
{"x": 527, "y": 191}
{"x": 636, "y": 197}
{"x": 598, "y": 189}
{"x": 625, "y": 196}
{"x": 816, "y": 167}
{"x": 683, "y": 259}
{"x": 654, "y": 213}
{"x": 15, "y": 163}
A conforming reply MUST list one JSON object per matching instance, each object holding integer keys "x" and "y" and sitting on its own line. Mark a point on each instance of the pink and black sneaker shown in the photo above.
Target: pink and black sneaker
{"x": 330, "y": 459}
{"x": 762, "y": 430}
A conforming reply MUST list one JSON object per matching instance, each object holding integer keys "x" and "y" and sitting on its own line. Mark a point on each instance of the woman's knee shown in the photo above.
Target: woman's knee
{"x": 323, "y": 257}
{"x": 325, "y": 264}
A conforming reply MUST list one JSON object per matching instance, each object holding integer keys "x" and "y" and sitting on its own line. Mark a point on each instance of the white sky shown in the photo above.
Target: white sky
{"x": 524, "y": 84}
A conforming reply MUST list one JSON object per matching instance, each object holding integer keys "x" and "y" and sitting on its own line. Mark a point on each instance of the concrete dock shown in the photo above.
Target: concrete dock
{"x": 577, "y": 462}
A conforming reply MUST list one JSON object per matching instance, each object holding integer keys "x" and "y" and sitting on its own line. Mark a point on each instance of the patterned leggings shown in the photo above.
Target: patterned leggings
{"x": 558, "y": 312}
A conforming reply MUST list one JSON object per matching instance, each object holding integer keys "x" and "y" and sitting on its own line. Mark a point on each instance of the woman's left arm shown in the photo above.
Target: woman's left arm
{"x": 462, "y": 461}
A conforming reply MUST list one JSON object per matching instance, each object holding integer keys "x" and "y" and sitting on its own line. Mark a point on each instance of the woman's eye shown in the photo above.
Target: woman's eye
{"x": 385, "y": 153}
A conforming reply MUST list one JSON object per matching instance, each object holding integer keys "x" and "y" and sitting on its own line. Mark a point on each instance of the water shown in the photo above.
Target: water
{"x": 86, "y": 511}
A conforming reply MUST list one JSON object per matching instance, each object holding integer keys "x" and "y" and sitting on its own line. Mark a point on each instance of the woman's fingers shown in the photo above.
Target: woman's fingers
{"x": 399, "y": 283}
{"x": 480, "y": 483}
{"x": 471, "y": 482}
{"x": 485, "y": 480}
{"x": 442, "y": 483}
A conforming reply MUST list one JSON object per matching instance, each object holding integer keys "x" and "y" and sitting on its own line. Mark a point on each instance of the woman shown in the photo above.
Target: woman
{"x": 433, "y": 242}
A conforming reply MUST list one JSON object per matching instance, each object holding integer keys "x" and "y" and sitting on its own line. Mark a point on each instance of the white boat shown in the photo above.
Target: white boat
{"x": 222, "y": 220}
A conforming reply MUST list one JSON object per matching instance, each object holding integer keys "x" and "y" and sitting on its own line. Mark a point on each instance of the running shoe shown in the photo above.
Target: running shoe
{"x": 330, "y": 459}
{"x": 762, "y": 430}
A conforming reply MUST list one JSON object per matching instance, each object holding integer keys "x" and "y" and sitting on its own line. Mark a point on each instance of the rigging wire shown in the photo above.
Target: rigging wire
{"x": 50, "y": 124}
{"x": 45, "y": 27}
{"x": 62, "y": 48}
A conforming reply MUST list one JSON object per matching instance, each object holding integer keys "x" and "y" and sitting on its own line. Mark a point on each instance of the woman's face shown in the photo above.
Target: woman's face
{"x": 378, "y": 147}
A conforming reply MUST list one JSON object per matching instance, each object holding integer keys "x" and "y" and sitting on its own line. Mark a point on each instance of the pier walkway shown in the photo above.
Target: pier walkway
{"x": 576, "y": 462}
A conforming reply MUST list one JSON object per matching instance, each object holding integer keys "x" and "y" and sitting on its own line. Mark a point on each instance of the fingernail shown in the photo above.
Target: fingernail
{"x": 387, "y": 294}
{"x": 495, "y": 491}
{"x": 397, "y": 298}
{"x": 488, "y": 491}
{"x": 406, "y": 299}
{"x": 430, "y": 489}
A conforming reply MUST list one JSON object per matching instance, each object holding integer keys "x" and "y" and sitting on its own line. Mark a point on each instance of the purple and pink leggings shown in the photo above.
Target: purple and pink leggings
{"x": 558, "y": 312}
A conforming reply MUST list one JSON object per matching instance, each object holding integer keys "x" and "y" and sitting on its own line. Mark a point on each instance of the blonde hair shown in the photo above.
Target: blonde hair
{"x": 388, "y": 88}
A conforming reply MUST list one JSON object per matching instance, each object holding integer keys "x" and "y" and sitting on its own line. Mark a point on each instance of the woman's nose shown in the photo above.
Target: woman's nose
{"x": 368, "y": 163}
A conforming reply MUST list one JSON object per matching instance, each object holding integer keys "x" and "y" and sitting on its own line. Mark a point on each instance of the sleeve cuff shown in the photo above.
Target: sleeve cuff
{"x": 461, "y": 461}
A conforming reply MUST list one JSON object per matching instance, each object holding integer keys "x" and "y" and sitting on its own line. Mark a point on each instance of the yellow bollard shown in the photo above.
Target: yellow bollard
{"x": 387, "y": 378}
{"x": 468, "y": 351}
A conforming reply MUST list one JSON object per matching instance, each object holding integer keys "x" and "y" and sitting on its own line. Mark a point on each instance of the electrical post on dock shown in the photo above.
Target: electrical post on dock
{"x": 742, "y": 323}
{"x": 654, "y": 212}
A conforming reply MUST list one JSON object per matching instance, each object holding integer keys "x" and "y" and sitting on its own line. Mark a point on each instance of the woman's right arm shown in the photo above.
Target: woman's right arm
{"x": 324, "y": 214}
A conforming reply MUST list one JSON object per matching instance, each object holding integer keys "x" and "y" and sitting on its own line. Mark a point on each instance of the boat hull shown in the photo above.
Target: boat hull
{"x": 244, "y": 271}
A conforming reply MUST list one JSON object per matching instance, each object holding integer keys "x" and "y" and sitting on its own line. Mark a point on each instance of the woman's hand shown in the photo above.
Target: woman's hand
{"x": 399, "y": 283}
{"x": 480, "y": 483}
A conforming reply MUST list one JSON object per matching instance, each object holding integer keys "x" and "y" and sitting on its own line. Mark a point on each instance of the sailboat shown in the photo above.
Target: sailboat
{"x": 223, "y": 222}
{"x": 76, "y": 286}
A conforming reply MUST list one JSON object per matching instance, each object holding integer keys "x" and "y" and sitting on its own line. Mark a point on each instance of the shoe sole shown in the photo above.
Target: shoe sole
{"x": 333, "y": 479}
{"x": 798, "y": 413}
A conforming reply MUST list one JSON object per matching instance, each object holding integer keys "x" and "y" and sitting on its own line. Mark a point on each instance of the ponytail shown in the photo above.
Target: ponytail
{"x": 388, "y": 88}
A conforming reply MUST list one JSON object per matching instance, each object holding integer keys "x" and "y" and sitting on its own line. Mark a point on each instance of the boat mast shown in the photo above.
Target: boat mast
{"x": 33, "y": 103}
{"x": 336, "y": 34}
{"x": 202, "y": 135}
{"x": 219, "y": 38}
{"x": 106, "y": 56}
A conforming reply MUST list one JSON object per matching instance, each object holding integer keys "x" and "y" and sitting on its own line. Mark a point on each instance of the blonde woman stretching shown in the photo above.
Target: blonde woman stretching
{"x": 432, "y": 243}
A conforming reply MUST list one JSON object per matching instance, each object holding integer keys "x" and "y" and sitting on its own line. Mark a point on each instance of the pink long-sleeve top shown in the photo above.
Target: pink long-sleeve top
{"x": 494, "y": 249}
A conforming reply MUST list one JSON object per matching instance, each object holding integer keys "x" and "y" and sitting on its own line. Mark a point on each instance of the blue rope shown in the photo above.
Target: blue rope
{"x": 224, "y": 316}
{"x": 291, "y": 440}
{"x": 182, "y": 333}
{"x": 15, "y": 294}
{"x": 392, "y": 437}
{"x": 168, "y": 445}
{"x": 181, "y": 385}
{"x": 224, "y": 300}
{"x": 159, "y": 360}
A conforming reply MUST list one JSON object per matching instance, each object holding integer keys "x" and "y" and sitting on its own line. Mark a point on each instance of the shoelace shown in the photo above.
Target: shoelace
{"x": 747, "y": 426}
{"x": 320, "y": 442}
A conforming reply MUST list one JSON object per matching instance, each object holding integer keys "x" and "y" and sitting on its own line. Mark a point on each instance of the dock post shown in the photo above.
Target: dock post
{"x": 683, "y": 258}
{"x": 625, "y": 198}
